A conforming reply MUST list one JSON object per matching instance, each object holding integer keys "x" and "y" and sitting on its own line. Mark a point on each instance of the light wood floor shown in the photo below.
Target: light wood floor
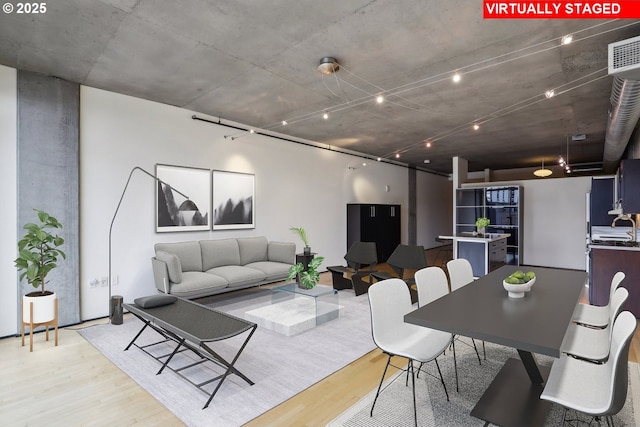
{"x": 73, "y": 384}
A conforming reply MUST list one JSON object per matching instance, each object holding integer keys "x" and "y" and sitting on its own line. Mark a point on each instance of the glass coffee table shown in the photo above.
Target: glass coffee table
{"x": 294, "y": 310}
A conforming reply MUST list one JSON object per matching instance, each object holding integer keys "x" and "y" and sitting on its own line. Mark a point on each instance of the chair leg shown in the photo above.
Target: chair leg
{"x": 484, "y": 351}
{"x": 442, "y": 379}
{"x": 476, "y": 349}
{"x": 564, "y": 415}
{"x": 413, "y": 386}
{"x": 455, "y": 363}
{"x": 380, "y": 386}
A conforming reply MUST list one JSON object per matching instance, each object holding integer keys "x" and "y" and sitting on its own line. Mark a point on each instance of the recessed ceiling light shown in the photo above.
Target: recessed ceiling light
{"x": 567, "y": 39}
{"x": 549, "y": 93}
{"x": 284, "y": 123}
{"x": 325, "y": 116}
{"x": 426, "y": 161}
{"x": 456, "y": 77}
{"x": 364, "y": 163}
{"x": 476, "y": 126}
{"x": 380, "y": 99}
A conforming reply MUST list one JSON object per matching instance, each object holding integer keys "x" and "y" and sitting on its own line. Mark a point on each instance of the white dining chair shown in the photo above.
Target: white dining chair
{"x": 598, "y": 390}
{"x": 431, "y": 284}
{"x": 389, "y": 301}
{"x": 591, "y": 343}
{"x": 594, "y": 315}
{"x": 461, "y": 274}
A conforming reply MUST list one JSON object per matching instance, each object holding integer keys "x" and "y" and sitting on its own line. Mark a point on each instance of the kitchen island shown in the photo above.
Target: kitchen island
{"x": 485, "y": 252}
{"x": 606, "y": 259}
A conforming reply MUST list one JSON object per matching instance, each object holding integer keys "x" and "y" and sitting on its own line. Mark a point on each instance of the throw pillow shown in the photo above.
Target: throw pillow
{"x": 155, "y": 300}
{"x": 173, "y": 265}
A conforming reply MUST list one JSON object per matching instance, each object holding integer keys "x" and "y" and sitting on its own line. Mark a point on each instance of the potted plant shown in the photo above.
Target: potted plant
{"x": 38, "y": 253}
{"x": 309, "y": 278}
{"x": 303, "y": 236}
{"x": 481, "y": 224}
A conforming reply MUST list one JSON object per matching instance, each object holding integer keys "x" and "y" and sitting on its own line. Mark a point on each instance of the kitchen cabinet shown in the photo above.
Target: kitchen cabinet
{"x": 377, "y": 223}
{"x": 607, "y": 261}
{"x": 601, "y": 201}
{"x": 629, "y": 192}
{"x": 485, "y": 254}
{"x": 503, "y": 207}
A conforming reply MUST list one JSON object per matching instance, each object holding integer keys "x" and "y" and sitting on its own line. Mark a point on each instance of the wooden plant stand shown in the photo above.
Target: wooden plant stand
{"x": 32, "y": 325}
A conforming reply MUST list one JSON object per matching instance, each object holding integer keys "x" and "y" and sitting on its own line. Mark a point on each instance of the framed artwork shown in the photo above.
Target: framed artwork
{"x": 183, "y": 199}
{"x": 233, "y": 200}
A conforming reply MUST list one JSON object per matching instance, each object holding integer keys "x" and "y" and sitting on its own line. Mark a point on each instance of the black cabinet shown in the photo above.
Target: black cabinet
{"x": 629, "y": 188}
{"x": 601, "y": 201}
{"x": 374, "y": 223}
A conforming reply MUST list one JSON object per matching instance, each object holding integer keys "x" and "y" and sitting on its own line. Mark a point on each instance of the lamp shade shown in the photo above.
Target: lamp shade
{"x": 542, "y": 172}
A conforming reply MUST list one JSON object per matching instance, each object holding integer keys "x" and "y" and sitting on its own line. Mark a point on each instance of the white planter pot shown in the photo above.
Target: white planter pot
{"x": 43, "y": 308}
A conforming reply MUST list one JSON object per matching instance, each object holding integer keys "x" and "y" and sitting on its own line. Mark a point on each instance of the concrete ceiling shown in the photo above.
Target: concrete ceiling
{"x": 255, "y": 63}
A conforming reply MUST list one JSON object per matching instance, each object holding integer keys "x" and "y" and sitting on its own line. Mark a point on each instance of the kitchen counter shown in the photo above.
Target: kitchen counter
{"x": 616, "y": 245}
{"x": 470, "y": 237}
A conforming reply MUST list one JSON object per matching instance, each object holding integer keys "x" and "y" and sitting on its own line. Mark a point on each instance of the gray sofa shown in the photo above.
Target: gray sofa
{"x": 201, "y": 268}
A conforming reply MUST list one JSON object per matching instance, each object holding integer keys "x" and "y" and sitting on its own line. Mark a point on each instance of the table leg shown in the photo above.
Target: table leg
{"x": 531, "y": 365}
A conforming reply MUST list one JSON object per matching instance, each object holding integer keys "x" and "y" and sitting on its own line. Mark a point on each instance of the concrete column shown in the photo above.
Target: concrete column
{"x": 412, "y": 221}
{"x": 48, "y": 176}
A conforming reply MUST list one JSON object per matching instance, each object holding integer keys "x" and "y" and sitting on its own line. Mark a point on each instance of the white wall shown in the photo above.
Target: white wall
{"x": 554, "y": 221}
{"x": 8, "y": 189}
{"x": 296, "y": 185}
{"x": 434, "y": 201}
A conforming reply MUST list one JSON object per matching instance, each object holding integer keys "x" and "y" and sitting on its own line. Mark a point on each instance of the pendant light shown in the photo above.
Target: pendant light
{"x": 542, "y": 172}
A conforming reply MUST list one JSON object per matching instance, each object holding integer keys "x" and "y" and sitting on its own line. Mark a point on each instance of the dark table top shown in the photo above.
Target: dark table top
{"x": 483, "y": 310}
{"x": 196, "y": 322}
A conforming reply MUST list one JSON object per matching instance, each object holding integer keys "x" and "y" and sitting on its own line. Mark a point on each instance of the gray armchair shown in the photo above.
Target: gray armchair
{"x": 359, "y": 256}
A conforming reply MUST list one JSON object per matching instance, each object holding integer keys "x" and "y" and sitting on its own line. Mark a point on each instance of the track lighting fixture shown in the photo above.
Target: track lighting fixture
{"x": 380, "y": 99}
{"x": 549, "y": 93}
{"x": 476, "y": 126}
{"x": 284, "y": 123}
{"x": 325, "y": 115}
{"x": 456, "y": 77}
{"x": 567, "y": 39}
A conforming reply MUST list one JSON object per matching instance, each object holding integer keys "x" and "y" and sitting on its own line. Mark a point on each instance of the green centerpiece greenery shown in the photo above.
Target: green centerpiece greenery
{"x": 38, "y": 252}
{"x": 310, "y": 277}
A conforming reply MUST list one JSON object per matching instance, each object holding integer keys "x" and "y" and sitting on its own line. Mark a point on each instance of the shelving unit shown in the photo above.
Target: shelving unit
{"x": 503, "y": 207}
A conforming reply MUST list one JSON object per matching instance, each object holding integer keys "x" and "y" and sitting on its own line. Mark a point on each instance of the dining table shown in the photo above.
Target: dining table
{"x": 533, "y": 325}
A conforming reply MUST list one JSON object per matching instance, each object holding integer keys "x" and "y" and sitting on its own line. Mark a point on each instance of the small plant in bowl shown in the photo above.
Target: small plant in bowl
{"x": 518, "y": 283}
{"x": 481, "y": 224}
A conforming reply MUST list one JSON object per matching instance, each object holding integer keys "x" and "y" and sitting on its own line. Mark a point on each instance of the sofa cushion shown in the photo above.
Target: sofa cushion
{"x": 273, "y": 270}
{"x": 174, "y": 268}
{"x": 282, "y": 252}
{"x": 253, "y": 249}
{"x": 237, "y": 275}
{"x": 155, "y": 300}
{"x": 187, "y": 252}
{"x": 196, "y": 284}
{"x": 216, "y": 253}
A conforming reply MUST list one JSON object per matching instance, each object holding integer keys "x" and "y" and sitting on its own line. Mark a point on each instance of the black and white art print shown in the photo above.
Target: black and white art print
{"x": 233, "y": 200}
{"x": 183, "y": 199}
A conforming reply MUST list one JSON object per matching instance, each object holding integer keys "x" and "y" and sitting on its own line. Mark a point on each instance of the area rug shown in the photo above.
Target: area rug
{"x": 395, "y": 405}
{"x": 280, "y": 366}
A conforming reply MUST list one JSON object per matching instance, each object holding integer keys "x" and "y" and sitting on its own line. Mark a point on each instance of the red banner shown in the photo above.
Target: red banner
{"x": 560, "y": 9}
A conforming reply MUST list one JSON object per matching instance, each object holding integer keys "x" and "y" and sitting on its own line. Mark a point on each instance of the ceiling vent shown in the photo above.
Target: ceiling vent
{"x": 624, "y": 59}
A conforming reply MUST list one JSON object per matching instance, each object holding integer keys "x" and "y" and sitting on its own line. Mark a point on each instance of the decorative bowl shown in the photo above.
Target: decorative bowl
{"x": 518, "y": 291}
